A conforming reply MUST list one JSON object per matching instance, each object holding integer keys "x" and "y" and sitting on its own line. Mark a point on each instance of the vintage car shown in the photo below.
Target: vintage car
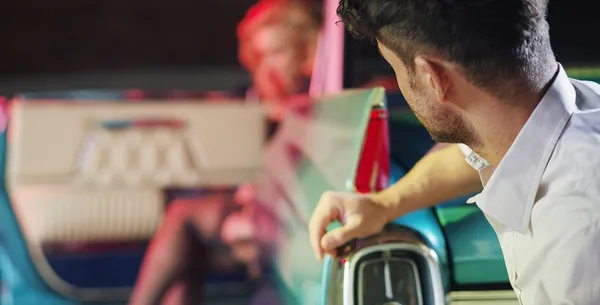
{"x": 78, "y": 211}
{"x": 75, "y": 222}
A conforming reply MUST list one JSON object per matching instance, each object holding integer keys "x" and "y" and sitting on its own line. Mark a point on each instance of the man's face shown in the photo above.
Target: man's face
{"x": 445, "y": 123}
{"x": 279, "y": 61}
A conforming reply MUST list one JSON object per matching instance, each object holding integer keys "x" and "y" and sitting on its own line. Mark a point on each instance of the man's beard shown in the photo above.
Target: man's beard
{"x": 446, "y": 128}
{"x": 444, "y": 125}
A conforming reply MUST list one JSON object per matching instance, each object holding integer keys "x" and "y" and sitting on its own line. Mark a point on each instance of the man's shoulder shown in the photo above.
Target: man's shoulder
{"x": 575, "y": 162}
{"x": 588, "y": 96}
{"x": 580, "y": 141}
{"x": 570, "y": 185}
{"x": 582, "y": 134}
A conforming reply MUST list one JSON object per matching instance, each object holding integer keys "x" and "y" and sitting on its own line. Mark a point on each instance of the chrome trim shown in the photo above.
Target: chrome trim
{"x": 495, "y": 297}
{"x": 428, "y": 254}
{"x": 388, "y": 281}
{"x": 392, "y": 239}
{"x": 378, "y": 99}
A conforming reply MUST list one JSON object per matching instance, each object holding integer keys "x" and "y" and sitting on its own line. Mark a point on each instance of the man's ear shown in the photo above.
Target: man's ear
{"x": 434, "y": 76}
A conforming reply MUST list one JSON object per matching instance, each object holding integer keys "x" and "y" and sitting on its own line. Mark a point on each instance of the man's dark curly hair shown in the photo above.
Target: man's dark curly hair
{"x": 500, "y": 44}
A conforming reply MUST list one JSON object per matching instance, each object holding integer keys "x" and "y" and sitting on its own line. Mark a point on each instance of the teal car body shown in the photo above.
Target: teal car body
{"x": 468, "y": 256}
{"x": 465, "y": 246}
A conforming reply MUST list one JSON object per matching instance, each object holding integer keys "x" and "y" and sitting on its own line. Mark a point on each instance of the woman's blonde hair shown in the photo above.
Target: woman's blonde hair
{"x": 303, "y": 16}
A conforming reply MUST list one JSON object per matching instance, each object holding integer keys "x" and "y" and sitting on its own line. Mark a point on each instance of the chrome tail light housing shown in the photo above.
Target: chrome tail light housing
{"x": 395, "y": 267}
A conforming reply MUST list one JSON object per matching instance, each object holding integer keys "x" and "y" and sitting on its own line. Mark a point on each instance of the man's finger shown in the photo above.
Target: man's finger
{"x": 316, "y": 229}
{"x": 336, "y": 238}
{"x": 322, "y": 216}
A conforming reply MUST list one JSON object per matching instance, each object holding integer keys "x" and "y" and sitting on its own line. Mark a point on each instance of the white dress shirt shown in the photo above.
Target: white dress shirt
{"x": 543, "y": 199}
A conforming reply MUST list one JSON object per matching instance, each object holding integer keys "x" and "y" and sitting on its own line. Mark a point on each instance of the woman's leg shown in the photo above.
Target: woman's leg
{"x": 168, "y": 255}
{"x": 192, "y": 276}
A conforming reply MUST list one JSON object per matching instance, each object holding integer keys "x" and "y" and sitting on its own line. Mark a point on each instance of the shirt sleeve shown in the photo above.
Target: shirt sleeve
{"x": 571, "y": 270}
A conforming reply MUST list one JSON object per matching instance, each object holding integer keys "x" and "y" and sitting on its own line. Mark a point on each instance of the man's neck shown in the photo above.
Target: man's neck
{"x": 499, "y": 130}
{"x": 499, "y": 122}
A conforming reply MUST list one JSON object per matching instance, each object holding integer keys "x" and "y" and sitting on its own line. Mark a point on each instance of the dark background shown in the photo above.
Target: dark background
{"x": 62, "y": 36}
{"x": 573, "y": 24}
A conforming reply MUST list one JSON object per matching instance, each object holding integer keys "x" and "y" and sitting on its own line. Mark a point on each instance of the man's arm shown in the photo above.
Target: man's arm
{"x": 439, "y": 176}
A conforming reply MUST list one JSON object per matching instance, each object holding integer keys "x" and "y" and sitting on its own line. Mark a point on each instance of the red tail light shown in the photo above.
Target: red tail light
{"x": 373, "y": 173}
{"x": 3, "y": 113}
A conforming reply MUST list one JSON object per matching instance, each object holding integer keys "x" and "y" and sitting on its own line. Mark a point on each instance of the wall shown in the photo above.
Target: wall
{"x": 73, "y": 36}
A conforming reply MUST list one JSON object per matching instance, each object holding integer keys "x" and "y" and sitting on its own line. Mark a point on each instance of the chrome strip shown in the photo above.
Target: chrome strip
{"x": 388, "y": 280}
{"x": 347, "y": 297}
{"x": 479, "y": 296}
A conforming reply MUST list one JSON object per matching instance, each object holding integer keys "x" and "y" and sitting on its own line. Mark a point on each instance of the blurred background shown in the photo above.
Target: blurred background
{"x": 71, "y": 36}
{"x": 199, "y": 238}
{"x": 57, "y": 39}
{"x": 183, "y": 39}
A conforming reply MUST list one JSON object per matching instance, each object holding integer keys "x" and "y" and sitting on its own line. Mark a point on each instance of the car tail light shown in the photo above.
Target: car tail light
{"x": 373, "y": 171}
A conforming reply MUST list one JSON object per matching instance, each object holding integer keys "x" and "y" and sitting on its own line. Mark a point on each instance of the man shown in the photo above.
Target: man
{"x": 482, "y": 73}
{"x": 277, "y": 44}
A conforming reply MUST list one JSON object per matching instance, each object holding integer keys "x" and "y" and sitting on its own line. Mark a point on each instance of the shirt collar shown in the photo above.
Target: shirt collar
{"x": 510, "y": 193}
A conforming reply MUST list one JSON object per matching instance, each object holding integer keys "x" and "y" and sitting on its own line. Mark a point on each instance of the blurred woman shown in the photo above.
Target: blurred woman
{"x": 277, "y": 43}
{"x": 277, "y": 46}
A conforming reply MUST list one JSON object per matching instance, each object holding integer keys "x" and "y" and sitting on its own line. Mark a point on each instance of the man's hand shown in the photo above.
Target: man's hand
{"x": 360, "y": 215}
{"x": 439, "y": 176}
